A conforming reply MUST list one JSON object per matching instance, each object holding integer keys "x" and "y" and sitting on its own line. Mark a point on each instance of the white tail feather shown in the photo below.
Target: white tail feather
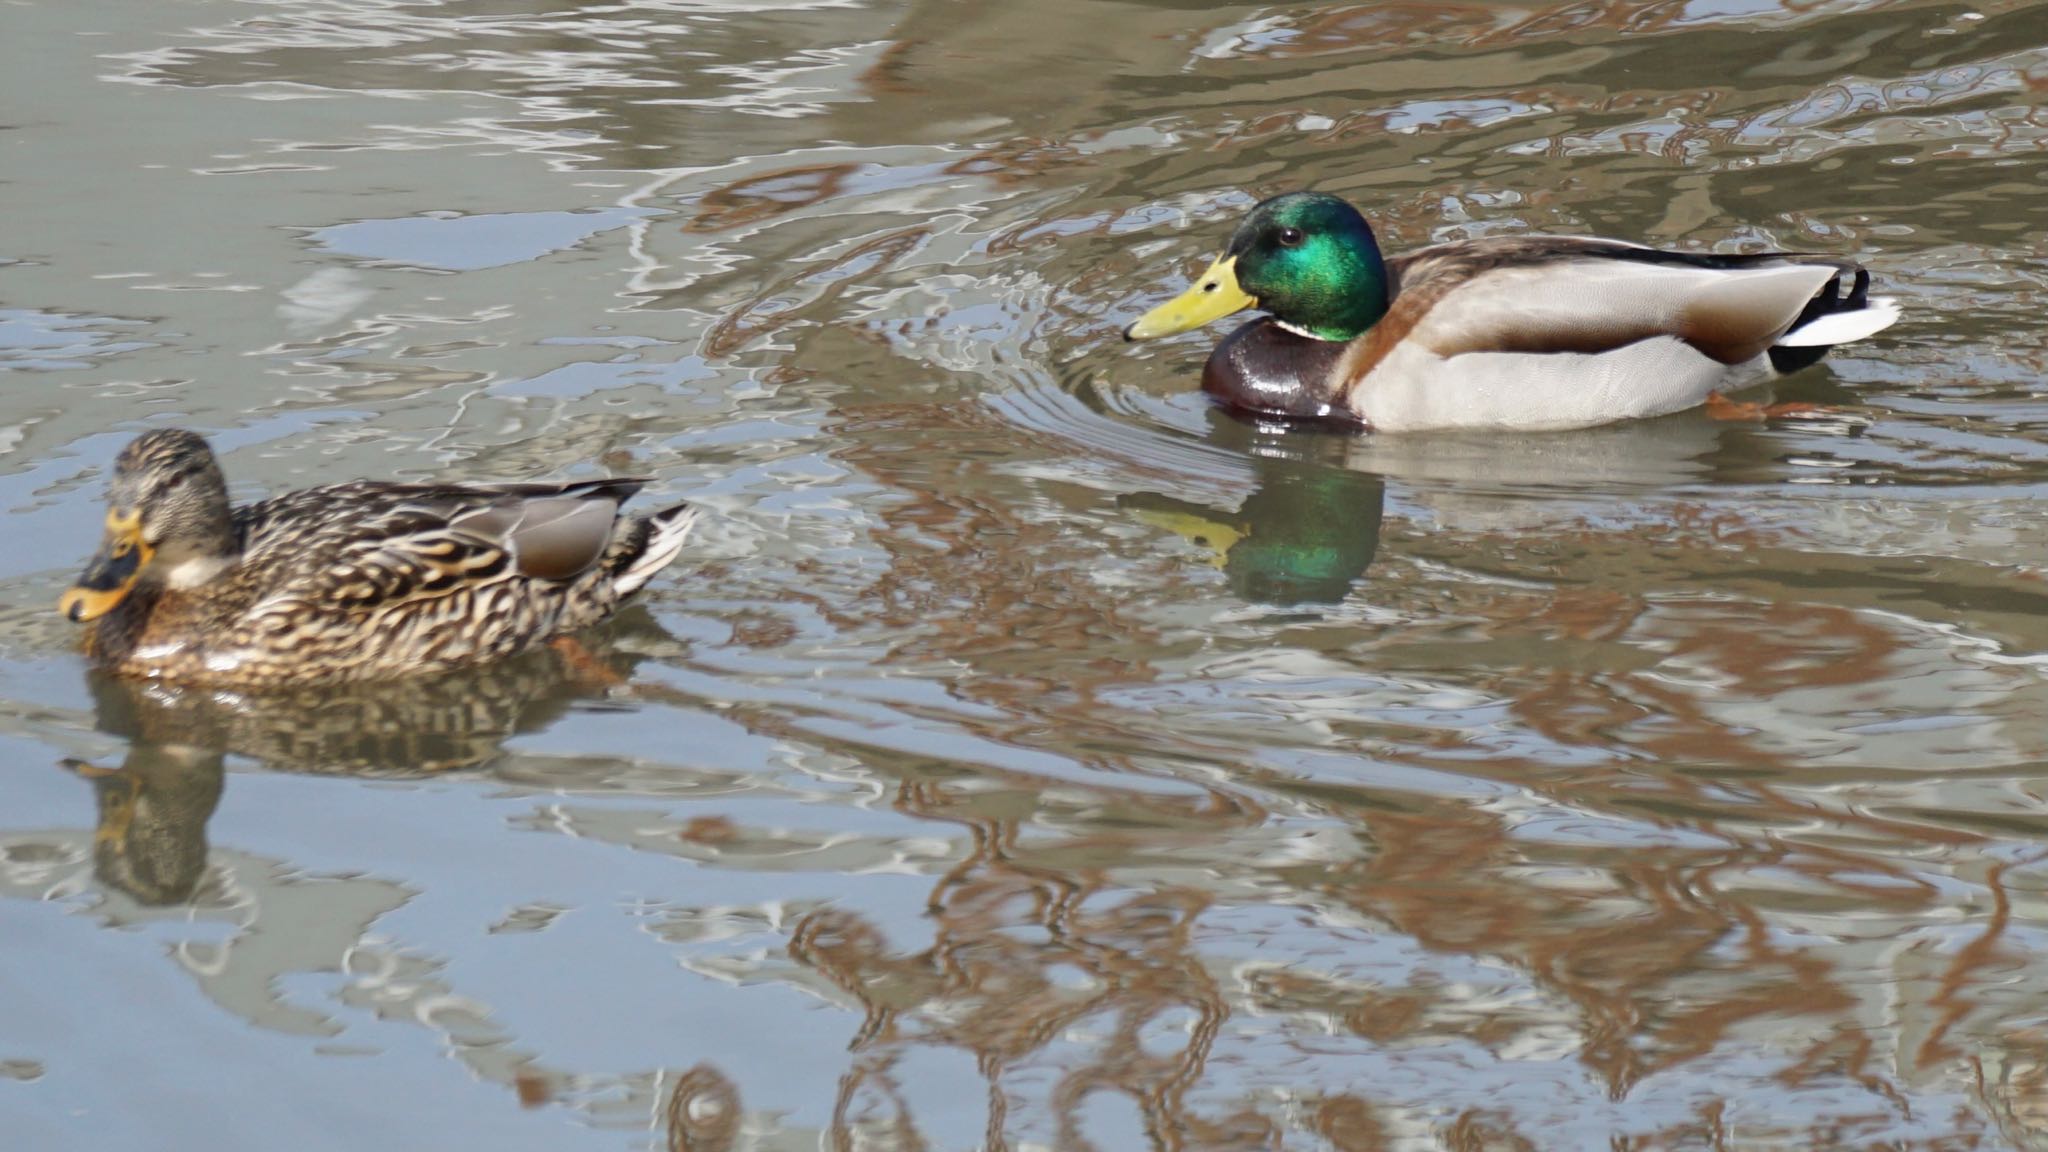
{"x": 670, "y": 527}
{"x": 1842, "y": 327}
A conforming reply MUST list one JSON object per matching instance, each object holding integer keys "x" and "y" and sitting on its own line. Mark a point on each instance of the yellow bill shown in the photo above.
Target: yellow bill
{"x": 111, "y": 574}
{"x": 117, "y": 814}
{"x": 1212, "y": 297}
{"x": 1201, "y": 531}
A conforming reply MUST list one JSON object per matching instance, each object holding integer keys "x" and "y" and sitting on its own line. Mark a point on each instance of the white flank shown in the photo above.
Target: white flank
{"x": 1413, "y": 390}
{"x": 670, "y": 529}
{"x": 1842, "y": 327}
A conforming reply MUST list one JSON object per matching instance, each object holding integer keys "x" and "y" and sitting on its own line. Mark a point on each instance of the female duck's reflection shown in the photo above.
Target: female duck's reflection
{"x": 150, "y": 838}
{"x": 1304, "y": 535}
{"x": 150, "y": 841}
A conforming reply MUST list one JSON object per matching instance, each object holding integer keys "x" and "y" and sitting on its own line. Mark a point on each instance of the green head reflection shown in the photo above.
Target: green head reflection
{"x": 1306, "y": 533}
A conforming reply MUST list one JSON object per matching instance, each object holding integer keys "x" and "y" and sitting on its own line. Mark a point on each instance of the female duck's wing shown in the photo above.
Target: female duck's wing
{"x": 1543, "y": 294}
{"x": 369, "y": 545}
{"x": 552, "y": 533}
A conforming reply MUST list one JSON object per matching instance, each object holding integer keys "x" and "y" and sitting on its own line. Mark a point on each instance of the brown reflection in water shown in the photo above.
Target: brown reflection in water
{"x": 1442, "y": 875}
{"x": 771, "y": 194}
{"x": 1754, "y": 651}
{"x": 1666, "y": 981}
{"x": 1019, "y": 162}
{"x": 990, "y": 984}
{"x": 534, "y": 1089}
{"x": 1477, "y": 1130}
{"x": 1660, "y": 956}
{"x": 1349, "y": 1124}
{"x": 396, "y": 728}
{"x": 1442, "y": 881}
{"x": 150, "y": 837}
{"x": 1622, "y": 973}
{"x": 704, "y": 1112}
{"x": 972, "y": 579}
{"x": 1126, "y": 959}
{"x": 811, "y": 290}
{"x": 1981, "y": 957}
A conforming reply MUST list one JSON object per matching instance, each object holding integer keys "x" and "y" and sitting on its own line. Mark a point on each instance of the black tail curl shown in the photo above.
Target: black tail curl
{"x": 1825, "y": 302}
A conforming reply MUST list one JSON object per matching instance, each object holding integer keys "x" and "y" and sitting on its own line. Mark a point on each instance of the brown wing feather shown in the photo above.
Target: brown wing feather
{"x": 381, "y": 545}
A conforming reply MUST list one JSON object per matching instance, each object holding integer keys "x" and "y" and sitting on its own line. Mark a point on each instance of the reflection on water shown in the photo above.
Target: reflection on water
{"x": 1304, "y": 534}
{"x": 150, "y": 841}
{"x": 384, "y": 729}
{"x": 1039, "y": 759}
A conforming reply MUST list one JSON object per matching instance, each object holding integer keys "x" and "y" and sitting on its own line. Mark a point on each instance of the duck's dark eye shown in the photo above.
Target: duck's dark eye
{"x": 1290, "y": 237}
{"x": 174, "y": 482}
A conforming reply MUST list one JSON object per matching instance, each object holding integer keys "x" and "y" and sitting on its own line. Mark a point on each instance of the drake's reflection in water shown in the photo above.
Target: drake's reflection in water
{"x": 1306, "y": 533}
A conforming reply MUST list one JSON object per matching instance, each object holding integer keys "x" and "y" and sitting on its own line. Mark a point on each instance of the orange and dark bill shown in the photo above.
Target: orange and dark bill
{"x": 112, "y": 572}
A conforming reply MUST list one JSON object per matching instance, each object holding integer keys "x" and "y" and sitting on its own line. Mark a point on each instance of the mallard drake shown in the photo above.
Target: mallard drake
{"x": 1522, "y": 332}
{"x": 359, "y": 581}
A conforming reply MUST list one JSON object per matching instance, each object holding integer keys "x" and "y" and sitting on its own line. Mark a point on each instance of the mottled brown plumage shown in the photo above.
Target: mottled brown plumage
{"x": 358, "y": 581}
{"x": 150, "y": 841}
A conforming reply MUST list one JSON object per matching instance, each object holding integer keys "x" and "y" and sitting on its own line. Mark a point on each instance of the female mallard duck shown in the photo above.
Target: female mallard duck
{"x": 356, "y": 581}
{"x": 1525, "y": 332}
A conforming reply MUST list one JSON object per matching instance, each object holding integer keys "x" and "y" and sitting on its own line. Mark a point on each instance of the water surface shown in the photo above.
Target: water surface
{"x": 1027, "y": 755}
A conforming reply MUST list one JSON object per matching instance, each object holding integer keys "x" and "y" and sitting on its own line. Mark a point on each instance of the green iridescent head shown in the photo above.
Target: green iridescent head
{"x": 1307, "y": 258}
{"x": 1312, "y": 532}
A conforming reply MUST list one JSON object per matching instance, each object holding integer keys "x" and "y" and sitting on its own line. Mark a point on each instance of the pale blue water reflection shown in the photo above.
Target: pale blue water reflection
{"x": 1028, "y": 756}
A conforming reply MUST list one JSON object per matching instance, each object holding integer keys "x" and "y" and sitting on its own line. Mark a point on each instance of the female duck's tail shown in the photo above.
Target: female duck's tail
{"x": 665, "y": 532}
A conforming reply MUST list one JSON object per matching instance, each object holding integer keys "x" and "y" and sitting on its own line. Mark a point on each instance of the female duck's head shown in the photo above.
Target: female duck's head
{"x": 1307, "y": 258}
{"x": 167, "y": 516}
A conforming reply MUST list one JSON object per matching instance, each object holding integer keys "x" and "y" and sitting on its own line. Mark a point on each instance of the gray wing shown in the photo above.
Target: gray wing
{"x": 1565, "y": 294}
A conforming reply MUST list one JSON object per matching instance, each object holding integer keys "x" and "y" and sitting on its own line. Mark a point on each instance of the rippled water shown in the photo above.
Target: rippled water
{"x": 1029, "y": 756}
